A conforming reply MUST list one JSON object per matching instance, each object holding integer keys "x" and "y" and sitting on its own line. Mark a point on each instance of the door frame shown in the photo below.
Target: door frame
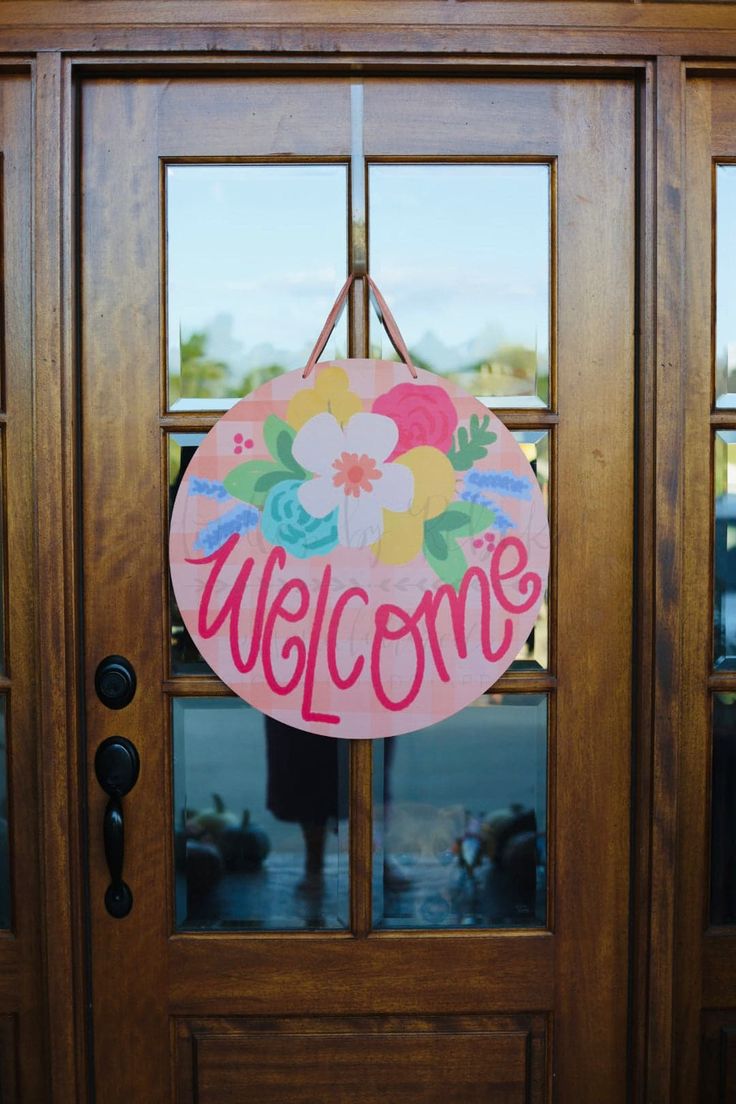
{"x": 64, "y": 58}
{"x": 583, "y": 958}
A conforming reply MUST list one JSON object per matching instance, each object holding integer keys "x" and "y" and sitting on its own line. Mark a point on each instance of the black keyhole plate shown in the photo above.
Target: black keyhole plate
{"x": 117, "y": 766}
{"x": 115, "y": 682}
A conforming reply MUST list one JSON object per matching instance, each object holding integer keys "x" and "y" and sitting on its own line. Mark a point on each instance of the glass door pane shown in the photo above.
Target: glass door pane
{"x": 461, "y": 819}
{"x": 260, "y": 821}
{"x": 463, "y": 254}
{"x": 255, "y": 257}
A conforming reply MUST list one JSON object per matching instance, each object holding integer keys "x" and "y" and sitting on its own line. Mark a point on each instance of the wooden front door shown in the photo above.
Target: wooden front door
{"x": 301, "y": 926}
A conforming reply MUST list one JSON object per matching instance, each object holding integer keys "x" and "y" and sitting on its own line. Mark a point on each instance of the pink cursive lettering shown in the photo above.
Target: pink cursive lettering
{"x": 478, "y": 615}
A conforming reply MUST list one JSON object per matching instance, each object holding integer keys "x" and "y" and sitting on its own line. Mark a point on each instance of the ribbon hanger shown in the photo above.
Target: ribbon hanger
{"x": 385, "y": 317}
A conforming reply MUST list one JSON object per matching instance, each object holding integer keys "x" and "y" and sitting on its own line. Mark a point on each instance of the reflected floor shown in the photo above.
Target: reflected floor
{"x": 441, "y": 895}
{"x": 420, "y": 893}
{"x": 268, "y": 898}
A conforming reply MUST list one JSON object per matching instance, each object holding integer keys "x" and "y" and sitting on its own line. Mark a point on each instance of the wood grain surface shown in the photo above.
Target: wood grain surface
{"x": 681, "y": 59}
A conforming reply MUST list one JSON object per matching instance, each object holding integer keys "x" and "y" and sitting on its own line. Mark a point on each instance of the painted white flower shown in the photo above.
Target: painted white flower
{"x": 351, "y": 474}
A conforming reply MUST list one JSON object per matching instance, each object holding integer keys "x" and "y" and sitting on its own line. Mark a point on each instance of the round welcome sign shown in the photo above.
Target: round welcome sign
{"x": 360, "y": 553}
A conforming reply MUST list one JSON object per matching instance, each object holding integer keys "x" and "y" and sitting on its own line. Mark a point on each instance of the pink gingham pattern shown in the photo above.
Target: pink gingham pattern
{"x": 360, "y": 712}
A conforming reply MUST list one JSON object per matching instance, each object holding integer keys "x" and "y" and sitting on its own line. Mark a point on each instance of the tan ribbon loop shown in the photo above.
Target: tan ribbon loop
{"x": 385, "y": 317}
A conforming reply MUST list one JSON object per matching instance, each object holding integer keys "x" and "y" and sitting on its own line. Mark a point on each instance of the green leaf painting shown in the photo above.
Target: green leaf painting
{"x": 441, "y": 548}
{"x": 435, "y": 543}
{"x": 471, "y": 444}
{"x": 251, "y": 482}
{"x": 279, "y": 436}
{"x": 451, "y": 564}
{"x": 462, "y": 519}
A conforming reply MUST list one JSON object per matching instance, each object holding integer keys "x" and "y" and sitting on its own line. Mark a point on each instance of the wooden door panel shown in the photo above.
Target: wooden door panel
{"x": 397, "y": 1059}
{"x": 250, "y": 118}
{"x": 362, "y": 1069}
{"x": 466, "y": 118}
{"x": 718, "y": 1059}
{"x": 513, "y": 971}
{"x": 573, "y": 974}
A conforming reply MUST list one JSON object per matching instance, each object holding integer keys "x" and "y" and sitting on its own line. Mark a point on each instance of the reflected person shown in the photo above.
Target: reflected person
{"x": 306, "y": 785}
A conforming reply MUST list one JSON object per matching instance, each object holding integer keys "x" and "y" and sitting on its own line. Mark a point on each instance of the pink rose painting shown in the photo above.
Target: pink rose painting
{"x": 424, "y": 416}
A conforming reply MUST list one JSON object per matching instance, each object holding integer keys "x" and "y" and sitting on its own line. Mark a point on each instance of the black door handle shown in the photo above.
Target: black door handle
{"x": 117, "y": 766}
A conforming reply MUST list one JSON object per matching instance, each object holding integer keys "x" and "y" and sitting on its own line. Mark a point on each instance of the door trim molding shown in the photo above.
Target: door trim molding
{"x": 55, "y": 390}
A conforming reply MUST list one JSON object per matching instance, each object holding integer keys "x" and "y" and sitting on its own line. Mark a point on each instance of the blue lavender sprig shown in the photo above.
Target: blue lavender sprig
{"x": 240, "y": 519}
{"x": 502, "y": 482}
{"x": 208, "y": 488}
{"x": 502, "y": 521}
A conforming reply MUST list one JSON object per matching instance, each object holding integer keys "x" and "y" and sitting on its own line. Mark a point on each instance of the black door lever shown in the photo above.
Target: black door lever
{"x": 117, "y": 766}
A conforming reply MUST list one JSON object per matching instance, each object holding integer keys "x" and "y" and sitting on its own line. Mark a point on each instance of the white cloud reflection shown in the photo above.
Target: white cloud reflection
{"x": 257, "y": 253}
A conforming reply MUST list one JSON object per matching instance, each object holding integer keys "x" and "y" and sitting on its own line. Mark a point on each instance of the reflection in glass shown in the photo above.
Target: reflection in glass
{"x": 725, "y": 350}
{"x": 534, "y": 655}
{"x": 259, "y": 820}
{"x": 185, "y": 657}
{"x": 255, "y": 257}
{"x": 461, "y": 819}
{"x": 462, "y": 254}
{"x": 723, "y": 811}
{"x": 724, "y": 567}
{"x": 5, "y": 917}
